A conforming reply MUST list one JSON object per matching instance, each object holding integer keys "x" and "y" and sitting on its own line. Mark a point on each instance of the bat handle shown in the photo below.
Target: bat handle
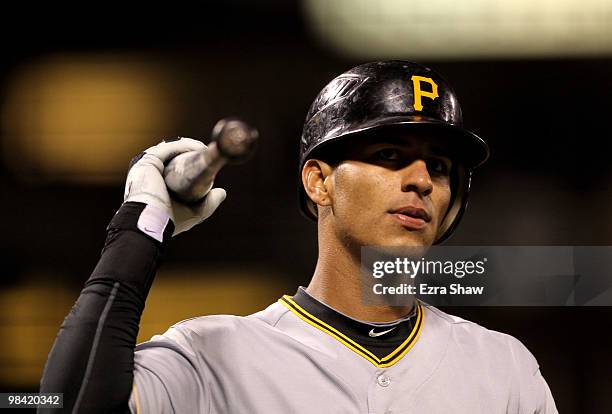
{"x": 190, "y": 176}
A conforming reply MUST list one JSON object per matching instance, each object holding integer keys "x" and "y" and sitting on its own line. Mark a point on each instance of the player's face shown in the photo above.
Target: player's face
{"x": 391, "y": 191}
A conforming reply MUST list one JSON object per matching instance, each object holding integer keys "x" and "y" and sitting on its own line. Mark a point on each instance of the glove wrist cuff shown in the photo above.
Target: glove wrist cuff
{"x": 143, "y": 218}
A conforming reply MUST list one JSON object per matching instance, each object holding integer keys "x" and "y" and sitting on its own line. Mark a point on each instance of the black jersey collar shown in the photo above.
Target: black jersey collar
{"x": 383, "y": 344}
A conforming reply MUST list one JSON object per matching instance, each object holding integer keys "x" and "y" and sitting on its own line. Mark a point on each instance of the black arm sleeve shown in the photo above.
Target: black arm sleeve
{"x": 92, "y": 359}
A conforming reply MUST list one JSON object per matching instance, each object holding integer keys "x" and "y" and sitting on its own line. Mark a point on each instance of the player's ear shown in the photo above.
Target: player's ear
{"x": 317, "y": 182}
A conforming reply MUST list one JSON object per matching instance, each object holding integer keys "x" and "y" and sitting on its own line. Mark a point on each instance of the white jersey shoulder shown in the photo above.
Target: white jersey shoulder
{"x": 478, "y": 338}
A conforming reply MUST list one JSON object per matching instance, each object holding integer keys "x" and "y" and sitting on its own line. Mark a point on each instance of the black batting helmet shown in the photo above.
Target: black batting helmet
{"x": 393, "y": 94}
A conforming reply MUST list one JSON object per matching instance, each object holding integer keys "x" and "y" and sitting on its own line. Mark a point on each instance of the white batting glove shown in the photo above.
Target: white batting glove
{"x": 145, "y": 184}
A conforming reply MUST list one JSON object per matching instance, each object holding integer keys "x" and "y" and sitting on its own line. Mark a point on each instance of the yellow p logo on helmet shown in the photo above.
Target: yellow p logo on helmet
{"x": 418, "y": 92}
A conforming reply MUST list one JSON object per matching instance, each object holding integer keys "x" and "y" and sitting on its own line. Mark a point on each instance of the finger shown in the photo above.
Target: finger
{"x": 211, "y": 202}
{"x": 167, "y": 150}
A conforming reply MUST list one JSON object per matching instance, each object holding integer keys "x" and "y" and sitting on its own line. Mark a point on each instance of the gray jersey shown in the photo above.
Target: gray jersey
{"x": 283, "y": 360}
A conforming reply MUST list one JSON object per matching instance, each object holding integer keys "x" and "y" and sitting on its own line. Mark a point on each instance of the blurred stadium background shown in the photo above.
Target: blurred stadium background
{"x": 82, "y": 91}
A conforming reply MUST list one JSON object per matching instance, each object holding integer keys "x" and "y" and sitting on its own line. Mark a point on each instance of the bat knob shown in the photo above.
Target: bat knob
{"x": 235, "y": 139}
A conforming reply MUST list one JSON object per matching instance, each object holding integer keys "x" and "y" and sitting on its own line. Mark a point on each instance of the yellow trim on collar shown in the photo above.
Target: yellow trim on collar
{"x": 384, "y": 362}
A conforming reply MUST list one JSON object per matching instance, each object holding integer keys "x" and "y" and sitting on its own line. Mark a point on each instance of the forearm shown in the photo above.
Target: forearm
{"x": 92, "y": 359}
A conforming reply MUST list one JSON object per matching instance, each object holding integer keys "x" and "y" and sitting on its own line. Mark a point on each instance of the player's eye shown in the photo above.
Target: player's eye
{"x": 388, "y": 154}
{"x": 438, "y": 166}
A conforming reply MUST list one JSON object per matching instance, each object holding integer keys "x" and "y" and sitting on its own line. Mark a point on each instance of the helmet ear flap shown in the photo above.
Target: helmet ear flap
{"x": 460, "y": 187}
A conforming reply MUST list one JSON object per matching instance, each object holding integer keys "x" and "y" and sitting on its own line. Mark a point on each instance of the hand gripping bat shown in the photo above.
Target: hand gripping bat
{"x": 189, "y": 176}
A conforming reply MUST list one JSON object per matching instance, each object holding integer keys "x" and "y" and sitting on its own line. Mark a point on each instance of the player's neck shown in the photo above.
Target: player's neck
{"x": 336, "y": 282}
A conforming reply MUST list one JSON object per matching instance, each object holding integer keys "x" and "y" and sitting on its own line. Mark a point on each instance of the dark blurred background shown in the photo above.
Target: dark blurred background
{"x": 82, "y": 91}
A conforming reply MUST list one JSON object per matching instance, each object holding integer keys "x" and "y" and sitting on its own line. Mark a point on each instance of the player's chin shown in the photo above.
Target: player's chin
{"x": 407, "y": 238}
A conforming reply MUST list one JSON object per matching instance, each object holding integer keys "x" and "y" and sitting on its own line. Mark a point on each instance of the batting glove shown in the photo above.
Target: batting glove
{"x": 145, "y": 184}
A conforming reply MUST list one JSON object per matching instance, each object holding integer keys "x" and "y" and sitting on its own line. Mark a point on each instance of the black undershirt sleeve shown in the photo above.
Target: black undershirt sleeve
{"x": 92, "y": 359}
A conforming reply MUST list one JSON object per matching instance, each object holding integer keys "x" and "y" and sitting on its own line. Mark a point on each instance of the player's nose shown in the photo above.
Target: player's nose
{"x": 415, "y": 177}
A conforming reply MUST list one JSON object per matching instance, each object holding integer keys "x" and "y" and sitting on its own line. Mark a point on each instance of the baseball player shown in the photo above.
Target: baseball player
{"x": 384, "y": 161}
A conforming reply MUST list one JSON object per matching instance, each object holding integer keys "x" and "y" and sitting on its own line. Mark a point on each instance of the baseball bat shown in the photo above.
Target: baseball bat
{"x": 190, "y": 176}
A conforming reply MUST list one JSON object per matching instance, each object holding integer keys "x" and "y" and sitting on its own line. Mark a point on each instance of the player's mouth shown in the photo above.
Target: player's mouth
{"x": 410, "y": 217}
